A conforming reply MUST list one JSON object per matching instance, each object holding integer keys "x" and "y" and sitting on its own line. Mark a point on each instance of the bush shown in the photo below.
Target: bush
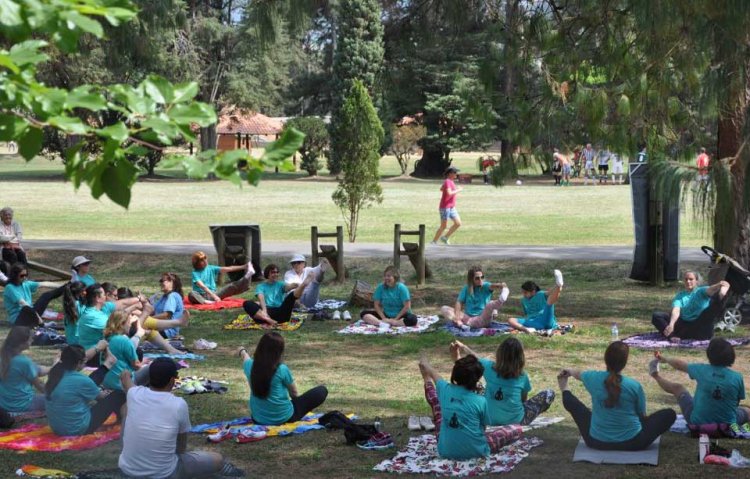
{"x": 316, "y": 141}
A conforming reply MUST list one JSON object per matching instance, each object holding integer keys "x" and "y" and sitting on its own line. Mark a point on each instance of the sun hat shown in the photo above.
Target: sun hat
{"x": 297, "y": 258}
{"x": 79, "y": 260}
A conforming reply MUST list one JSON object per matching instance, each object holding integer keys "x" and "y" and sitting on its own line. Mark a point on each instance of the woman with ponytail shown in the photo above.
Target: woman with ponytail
{"x": 75, "y": 404}
{"x": 19, "y": 375}
{"x": 617, "y": 419}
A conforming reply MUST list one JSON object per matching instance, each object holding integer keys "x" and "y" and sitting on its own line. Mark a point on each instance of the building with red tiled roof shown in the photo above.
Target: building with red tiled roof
{"x": 239, "y": 128}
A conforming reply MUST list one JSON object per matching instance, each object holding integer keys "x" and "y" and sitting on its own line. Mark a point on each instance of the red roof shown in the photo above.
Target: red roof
{"x": 234, "y": 120}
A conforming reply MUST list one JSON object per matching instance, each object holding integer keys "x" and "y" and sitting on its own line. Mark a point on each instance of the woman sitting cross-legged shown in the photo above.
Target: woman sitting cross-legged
{"x": 538, "y": 306}
{"x": 460, "y": 414}
{"x": 617, "y": 419}
{"x": 169, "y": 313}
{"x": 273, "y": 394}
{"x": 19, "y": 375}
{"x": 75, "y": 404}
{"x": 508, "y": 384}
{"x": 474, "y": 306}
{"x": 204, "y": 279}
{"x": 274, "y": 304}
{"x": 392, "y": 303}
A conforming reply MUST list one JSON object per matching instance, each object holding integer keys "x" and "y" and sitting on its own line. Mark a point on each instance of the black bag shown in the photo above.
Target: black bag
{"x": 334, "y": 420}
{"x": 6, "y": 420}
{"x": 359, "y": 432}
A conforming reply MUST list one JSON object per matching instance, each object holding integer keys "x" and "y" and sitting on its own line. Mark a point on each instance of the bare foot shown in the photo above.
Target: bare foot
{"x": 185, "y": 320}
{"x": 562, "y": 380}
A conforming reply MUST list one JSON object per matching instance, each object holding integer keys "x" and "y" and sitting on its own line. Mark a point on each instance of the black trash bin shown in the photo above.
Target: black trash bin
{"x": 236, "y": 245}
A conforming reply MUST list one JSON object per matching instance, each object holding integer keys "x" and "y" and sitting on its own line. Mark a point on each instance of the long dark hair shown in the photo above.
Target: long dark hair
{"x": 18, "y": 336}
{"x": 467, "y": 372}
{"x": 266, "y": 361}
{"x": 14, "y": 277}
{"x": 70, "y": 357}
{"x": 176, "y": 282}
{"x": 510, "y": 359}
{"x": 71, "y": 293}
{"x": 615, "y": 357}
{"x": 92, "y": 292}
{"x": 473, "y": 270}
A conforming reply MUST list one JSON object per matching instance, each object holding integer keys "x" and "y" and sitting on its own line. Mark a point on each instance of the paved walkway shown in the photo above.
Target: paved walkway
{"x": 280, "y": 248}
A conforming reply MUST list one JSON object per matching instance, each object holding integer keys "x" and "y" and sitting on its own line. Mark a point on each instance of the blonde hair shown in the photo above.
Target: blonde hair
{"x": 198, "y": 257}
{"x": 116, "y": 323}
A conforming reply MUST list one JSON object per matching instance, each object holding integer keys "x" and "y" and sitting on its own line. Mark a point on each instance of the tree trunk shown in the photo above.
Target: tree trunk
{"x": 208, "y": 138}
{"x": 435, "y": 159}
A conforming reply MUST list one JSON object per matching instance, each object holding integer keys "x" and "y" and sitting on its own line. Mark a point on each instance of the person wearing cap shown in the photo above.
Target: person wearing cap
{"x": 80, "y": 271}
{"x": 297, "y": 273}
{"x": 204, "y": 279}
{"x": 155, "y": 433}
{"x": 448, "y": 207}
{"x": 11, "y": 235}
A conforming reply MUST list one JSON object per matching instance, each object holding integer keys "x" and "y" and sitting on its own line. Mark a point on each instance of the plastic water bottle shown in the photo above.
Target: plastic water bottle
{"x": 615, "y": 333}
{"x": 703, "y": 447}
{"x": 494, "y": 315}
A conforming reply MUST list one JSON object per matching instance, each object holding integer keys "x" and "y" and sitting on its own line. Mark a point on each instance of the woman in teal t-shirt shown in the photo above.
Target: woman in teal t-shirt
{"x": 274, "y": 304}
{"x": 75, "y": 404}
{"x": 20, "y": 309}
{"x": 273, "y": 393}
{"x": 462, "y": 434}
{"x": 508, "y": 384}
{"x": 204, "y": 278}
{"x": 617, "y": 419}
{"x": 474, "y": 305}
{"x": 392, "y": 303}
{"x": 538, "y": 306}
{"x": 123, "y": 349}
{"x": 19, "y": 376}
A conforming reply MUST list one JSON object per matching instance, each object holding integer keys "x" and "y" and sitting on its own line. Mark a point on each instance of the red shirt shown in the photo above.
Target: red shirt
{"x": 702, "y": 163}
{"x": 448, "y": 200}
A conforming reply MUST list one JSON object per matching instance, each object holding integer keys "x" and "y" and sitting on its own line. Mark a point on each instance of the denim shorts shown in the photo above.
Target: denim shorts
{"x": 448, "y": 213}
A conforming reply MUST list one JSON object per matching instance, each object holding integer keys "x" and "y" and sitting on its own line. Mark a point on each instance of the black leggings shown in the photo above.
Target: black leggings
{"x": 281, "y": 314}
{"x": 104, "y": 408}
{"x": 410, "y": 319}
{"x": 701, "y": 328}
{"x": 29, "y": 316}
{"x": 14, "y": 256}
{"x": 307, "y": 402}
{"x": 652, "y": 426}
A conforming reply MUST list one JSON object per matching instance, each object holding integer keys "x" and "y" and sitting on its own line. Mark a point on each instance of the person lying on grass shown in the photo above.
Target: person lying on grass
{"x": 392, "y": 303}
{"x": 275, "y": 304}
{"x": 617, "y": 419}
{"x": 474, "y": 305}
{"x": 507, "y": 384}
{"x": 205, "y": 276}
{"x": 538, "y": 306}
{"x": 274, "y": 398}
{"x": 718, "y": 389}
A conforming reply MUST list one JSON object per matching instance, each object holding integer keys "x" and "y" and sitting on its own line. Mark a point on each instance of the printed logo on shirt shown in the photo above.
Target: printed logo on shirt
{"x": 716, "y": 394}
{"x": 454, "y": 422}
{"x": 499, "y": 394}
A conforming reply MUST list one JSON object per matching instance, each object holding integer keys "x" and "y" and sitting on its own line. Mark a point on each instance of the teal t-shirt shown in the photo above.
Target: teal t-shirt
{"x": 123, "y": 349}
{"x": 68, "y": 410}
{"x": 207, "y": 276}
{"x": 691, "y": 304}
{"x": 71, "y": 328}
{"x": 87, "y": 279}
{"x": 621, "y": 422}
{"x": 13, "y": 295}
{"x": 534, "y": 307}
{"x": 171, "y": 303}
{"x": 91, "y": 324}
{"x": 16, "y": 390}
{"x": 504, "y": 396}
{"x": 464, "y": 419}
{"x": 276, "y": 408}
{"x": 475, "y": 302}
{"x": 717, "y": 394}
{"x": 392, "y": 299}
{"x": 273, "y": 293}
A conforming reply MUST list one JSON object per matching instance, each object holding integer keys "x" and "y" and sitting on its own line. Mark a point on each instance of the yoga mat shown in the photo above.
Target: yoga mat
{"x": 226, "y": 303}
{"x": 40, "y": 438}
{"x": 648, "y": 456}
{"x": 493, "y": 329}
{"x": 655, "y": 340}
{"x": 244, "y": 322}
{"x": 190, "y": 356}
{"x": 360, "y": 327}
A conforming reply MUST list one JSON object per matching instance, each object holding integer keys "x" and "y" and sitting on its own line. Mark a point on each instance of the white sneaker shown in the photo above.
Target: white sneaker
{"x": 347, "y": 316}
{"x": 250, "y": 270}
{"x": 445, "y": 240}
{"x": 504, "y": 294}
{"x": 465, "y": 327}
{"x": 337, "y": 315}
{"x": 433, "y": 242}
{"x": 5, "y": 278}
{"x": 558, "y": 277}
{"x": 531, "y": 330}
{"x": 426, "y": 423}
{"x": 413, "y": 423}
{"x": 204, "y": 344}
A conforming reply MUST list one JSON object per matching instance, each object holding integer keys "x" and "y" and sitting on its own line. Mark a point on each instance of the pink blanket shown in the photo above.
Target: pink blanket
{"x": 226, "y": 303}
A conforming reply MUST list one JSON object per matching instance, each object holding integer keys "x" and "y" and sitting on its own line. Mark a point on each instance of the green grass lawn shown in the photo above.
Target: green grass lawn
{"x": 287, "y": 204}
{"x": 378, "y": 376}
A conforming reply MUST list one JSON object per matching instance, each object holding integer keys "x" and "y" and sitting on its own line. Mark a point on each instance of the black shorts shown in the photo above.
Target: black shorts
{"x": 603, "y": 168}
{"x": 410, "y": 319}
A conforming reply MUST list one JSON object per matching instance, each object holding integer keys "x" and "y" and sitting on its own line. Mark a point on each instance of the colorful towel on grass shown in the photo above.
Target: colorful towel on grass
{"x": 328, "y": 304}
{"x": 244, "y": 321}
{"x": 420, "y": 457}
{"x": 680, "y": 426}
{"x": 40, "y": 438}
{"x": 307, "y": 423}
{"x": 541, "y": 422}
{"x": 493, "y": 329}
{"x": 360, "y": 327}
{"x": 190, "y": 356}
{"x": 655, "y": 340}
{"x": 28, "y": 415}
{"x": 29, "y": 470}
{"x": 226, "y": 303}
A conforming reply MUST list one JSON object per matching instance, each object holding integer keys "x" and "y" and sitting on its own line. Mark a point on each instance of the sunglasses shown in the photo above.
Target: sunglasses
{"x": 23, "y": 275}
{"x": 478, "y": 277}
{"x": 274, "y": 271}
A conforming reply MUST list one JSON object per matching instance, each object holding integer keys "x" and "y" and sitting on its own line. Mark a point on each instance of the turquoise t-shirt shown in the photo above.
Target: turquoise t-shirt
{"x": 534, "y": 307}
{"x": 717, "y": 394}
{"x": 621, "y": 422}
{"x": 464, "y": 419}
{"x": 273, "y": 293}
{"x": 474, "y": 303}
{"x": 276, "y": 408}
{"x": 68, "y": 410}
{"x": 87, "y": 279}
{"x": 91, "y": 324}
{"x": 207, "y": 276}
{"x": 504, "y": 396}
{"x": 16, "y": 390}
{"x": 71, "y": 328}
{"x": 691, "y": 304}
{"x": 13, "y": 295}
{"x": 123, "y": 349}
{"x": 392, "y": 299}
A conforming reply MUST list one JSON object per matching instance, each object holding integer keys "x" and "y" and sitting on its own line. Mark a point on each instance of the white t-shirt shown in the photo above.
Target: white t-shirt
{"x": 604, "y": 157}
{"x": 291, "y": 276}
{"x": 149, "y": 437}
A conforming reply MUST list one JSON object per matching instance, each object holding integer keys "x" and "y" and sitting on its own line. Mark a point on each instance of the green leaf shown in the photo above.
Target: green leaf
{"x": 285, "y": 147}
{"x": 254, "y": 175}
{"x": 159, "y": 89}
{"x": 162, "y": 127}
{"x": 117, "y": 181}
{"x": 226, "y": 163}
{"x": 82, "y": 97}
{"x": 11, "y": 127}
{"x": 200, "y": 113}
{"x": 623, "y": 106}
{"x": 30, "y": 143}
{"x": 7, "y": 62}
{"x": 87, "y": 24}
{"x": 10, "y": 13}
{"x": 172, "y": 161}
{"x": 74, "y": 164}
{"x": 68, "y": 124}
{"x": 118, "y": 132}
{"x": 196, "y": 168}
{"x": 185, "y": 92}
{"x": 26, "y": 53}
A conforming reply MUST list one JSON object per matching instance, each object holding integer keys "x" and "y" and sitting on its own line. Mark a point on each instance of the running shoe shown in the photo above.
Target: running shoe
{"x": 223, "y": 434}
{"x": 248, "y": 435}
{"x": 377, "y": 442}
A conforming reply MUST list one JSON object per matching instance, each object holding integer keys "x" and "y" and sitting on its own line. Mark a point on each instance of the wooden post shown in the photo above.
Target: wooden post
{"x": 420, "y": 257}
{"x": 314, "y": 241}
{"x": 396, "y": 246}
{"x": 340, "y": 270}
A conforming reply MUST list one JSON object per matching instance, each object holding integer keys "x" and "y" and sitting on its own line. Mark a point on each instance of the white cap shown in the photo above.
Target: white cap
{"x": 297, "y": 257}
{"x": 79, "y": 260}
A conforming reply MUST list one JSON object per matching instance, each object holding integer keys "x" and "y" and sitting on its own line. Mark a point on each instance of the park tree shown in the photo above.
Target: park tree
{"x": 405, "y": 142}
{"x": 316, "y": 141}
{"x": 358, "y": 56}
{"x": 360, "y": 134}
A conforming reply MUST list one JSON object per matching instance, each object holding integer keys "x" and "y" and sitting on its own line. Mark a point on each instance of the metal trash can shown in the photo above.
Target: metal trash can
{"x": 236, "y": 245}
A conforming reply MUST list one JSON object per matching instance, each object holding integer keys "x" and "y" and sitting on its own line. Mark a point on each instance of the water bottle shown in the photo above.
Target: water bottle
{"x": 703, "y": 447}
{"x": 615, "y": 333}
{"x": 494, "y": 315}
